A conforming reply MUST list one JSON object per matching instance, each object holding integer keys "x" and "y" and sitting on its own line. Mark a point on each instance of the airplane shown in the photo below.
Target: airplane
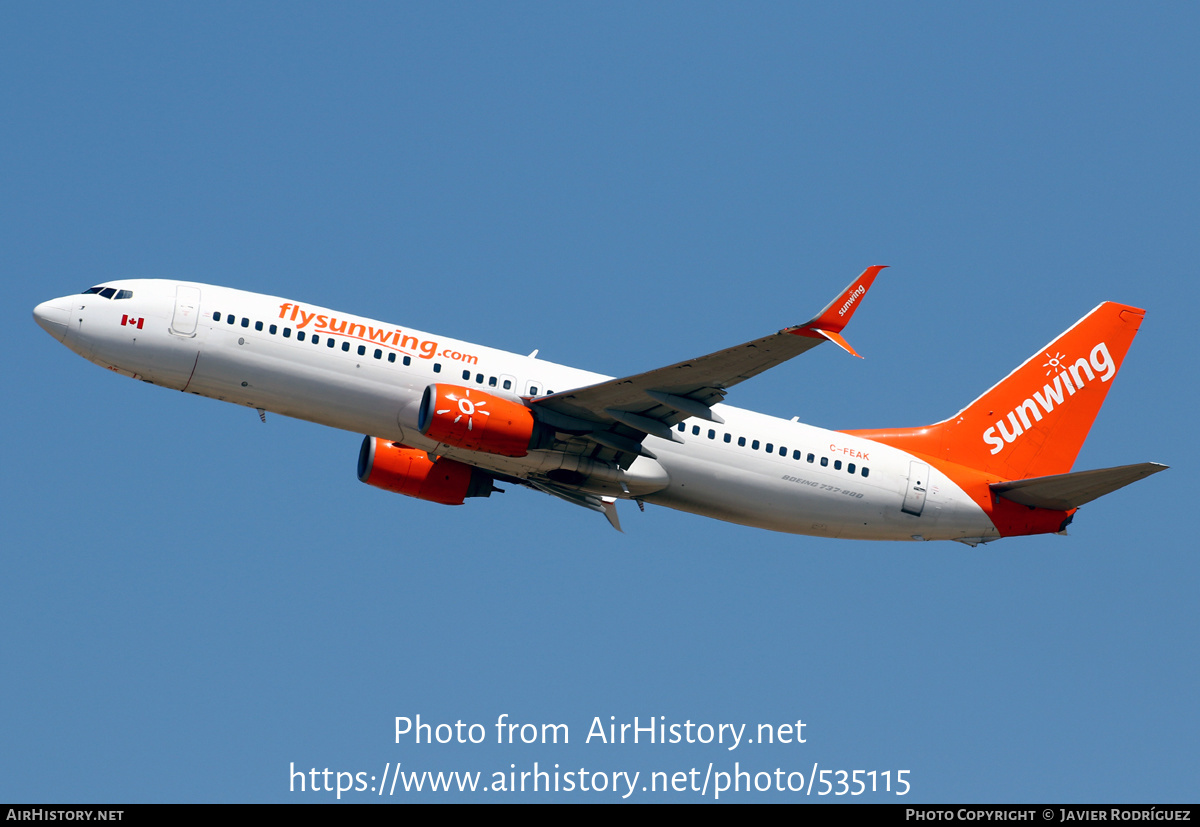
{"x": 446, "y": 420}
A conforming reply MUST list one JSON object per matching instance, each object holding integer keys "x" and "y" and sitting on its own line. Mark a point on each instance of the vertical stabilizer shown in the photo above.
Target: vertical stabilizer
{"x": 1034, "y": 421}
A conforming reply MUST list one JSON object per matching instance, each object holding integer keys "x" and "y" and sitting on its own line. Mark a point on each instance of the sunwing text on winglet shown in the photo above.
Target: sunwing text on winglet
{"x": 830, "y": 322}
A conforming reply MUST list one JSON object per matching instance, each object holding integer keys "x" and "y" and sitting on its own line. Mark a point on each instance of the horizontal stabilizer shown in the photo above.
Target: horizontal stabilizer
{"x": 1063, "y": 492}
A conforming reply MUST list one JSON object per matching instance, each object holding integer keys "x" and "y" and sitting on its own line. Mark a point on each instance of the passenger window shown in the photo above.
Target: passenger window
{"x": 770, "y": 448}
{"x": 287, "y": 333}
{"x": 273, "y": 329}
{"x": 378, "y": 353}
{"x": 479, "y": 379}
{"x": 728, "y": 437}
{"x": 437, "y": 367}
{"x": 330, "y": 342}
{"x": 754, "y": 445}
{"x": 824, "y": 462}
{"x": 245, "y": 322}
{"x": 782, "y": 451}
{"x": 533, "y": 392}
{"x": 258, "y": 326}
{"x": 391, "y": 357}
{"x": 407, "y": 361}
{"x": 796, "y": 455}
{"x": 491, "y": 381}
{"x": 508, "y": 384}
{"x": 682, "y": 427}
{"x": 712, "y": 434}
{"x": 866, "y": 472}
{"x": 362, "y": 349}
{"x": 216, "y": 317}
{"x": 299, "y": 335}
{"x": 850, "y": 468}
{"x": 316, "y": 340}
{"x": 345, "y": 347}
{"x": 466, "y": 375}
{"x": 231, "y": 318}
{"x": 811, "y": 457}
{"x": 837, "y": 465}
{"x": 741, "y": 442}
{"x": 695, "y": 430}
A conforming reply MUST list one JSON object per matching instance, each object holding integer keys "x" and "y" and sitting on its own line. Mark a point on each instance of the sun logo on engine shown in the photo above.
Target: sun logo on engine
{"x": 466, "y": 407}
{"x": 1053, "y": 363}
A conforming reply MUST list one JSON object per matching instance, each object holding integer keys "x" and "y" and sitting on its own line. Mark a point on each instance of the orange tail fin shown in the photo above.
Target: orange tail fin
{"x": 1034, "y": 421}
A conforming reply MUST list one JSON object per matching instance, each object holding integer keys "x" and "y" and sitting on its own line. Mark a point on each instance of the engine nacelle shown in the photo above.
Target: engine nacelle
{"x": 476, "y": 420}
{"x": 409, "y": 471}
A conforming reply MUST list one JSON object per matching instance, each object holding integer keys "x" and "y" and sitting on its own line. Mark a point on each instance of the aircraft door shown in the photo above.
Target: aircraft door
{"x": 918, "y": 483}
{"x": 187, "y": 310}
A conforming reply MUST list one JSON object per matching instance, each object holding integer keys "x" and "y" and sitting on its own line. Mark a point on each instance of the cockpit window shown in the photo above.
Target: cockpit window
{"x": 109, "y": 292}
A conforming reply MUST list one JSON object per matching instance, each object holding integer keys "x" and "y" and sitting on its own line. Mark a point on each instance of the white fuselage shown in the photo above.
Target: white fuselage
{"x": 365, "y": 376}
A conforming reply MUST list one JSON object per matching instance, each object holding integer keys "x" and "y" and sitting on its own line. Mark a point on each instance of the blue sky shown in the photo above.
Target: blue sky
{"x": 193, "y": 602}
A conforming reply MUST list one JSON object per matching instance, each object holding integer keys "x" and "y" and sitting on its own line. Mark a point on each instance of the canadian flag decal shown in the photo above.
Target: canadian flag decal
{"x": 127, "y": 319}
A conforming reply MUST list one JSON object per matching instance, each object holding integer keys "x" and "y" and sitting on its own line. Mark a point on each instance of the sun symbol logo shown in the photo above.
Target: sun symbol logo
{"x": 466, "y": 407}
{"x": 1054, "y": 363}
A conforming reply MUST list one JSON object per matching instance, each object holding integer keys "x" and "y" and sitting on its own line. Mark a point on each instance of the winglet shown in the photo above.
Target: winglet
{"x": 837, "y": 313}
{"x": 830, "y": 322}
{"x": 610, "y": 511}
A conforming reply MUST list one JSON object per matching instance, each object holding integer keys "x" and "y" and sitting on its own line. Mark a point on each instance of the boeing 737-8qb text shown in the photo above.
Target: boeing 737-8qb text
{"x": 448, "y": 420}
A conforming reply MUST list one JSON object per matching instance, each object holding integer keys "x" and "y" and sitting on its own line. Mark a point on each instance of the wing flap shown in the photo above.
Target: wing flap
{"x": 603, "y": 505}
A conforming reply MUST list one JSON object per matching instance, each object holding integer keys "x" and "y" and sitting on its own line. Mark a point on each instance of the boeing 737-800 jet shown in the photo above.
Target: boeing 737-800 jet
{"x": 447, "y": 419}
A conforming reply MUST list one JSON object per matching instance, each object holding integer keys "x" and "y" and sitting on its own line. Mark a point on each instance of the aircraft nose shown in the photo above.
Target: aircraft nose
{"x": 52, "y": 317}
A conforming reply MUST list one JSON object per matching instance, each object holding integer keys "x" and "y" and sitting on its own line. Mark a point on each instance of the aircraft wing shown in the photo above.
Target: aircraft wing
{"x": 619, "y": 413}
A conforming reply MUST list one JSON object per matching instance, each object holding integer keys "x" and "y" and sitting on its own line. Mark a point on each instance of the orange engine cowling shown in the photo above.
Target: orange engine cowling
{"x": 476, "y": 420}
{"x": 395, "y": 467}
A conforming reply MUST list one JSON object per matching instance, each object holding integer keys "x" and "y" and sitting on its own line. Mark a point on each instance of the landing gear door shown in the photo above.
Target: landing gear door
{"x": 918, "y": 483}
{"x": 187, "y": 309}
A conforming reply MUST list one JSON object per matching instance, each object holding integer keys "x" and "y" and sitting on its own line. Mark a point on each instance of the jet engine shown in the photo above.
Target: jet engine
{"x": 409, "y": 471}
{"x": 477, "y": 421}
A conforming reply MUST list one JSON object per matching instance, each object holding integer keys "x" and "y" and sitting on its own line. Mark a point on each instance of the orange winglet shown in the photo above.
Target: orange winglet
{"x": 836, "y": 315}
{"x": 829, "y": 323}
